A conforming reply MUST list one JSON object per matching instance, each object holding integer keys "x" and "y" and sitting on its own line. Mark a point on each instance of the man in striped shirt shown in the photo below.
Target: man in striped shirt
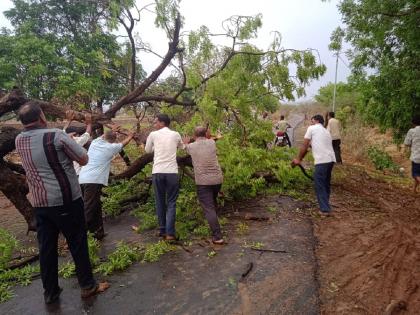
{"x": 47, "y": 156}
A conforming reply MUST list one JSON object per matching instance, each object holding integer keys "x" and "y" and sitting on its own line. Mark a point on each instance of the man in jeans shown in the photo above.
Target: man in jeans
{"x": 334, "y": 127}
{"x": 208, "y": 177}
{"x": 47, "y": 157}
{"x": 94, "y": 176}
{"x": 164, "y": 143}
{"x": 324, "y": 156}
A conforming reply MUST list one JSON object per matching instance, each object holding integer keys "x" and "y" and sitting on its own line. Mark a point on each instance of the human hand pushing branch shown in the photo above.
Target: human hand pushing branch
{"x": 69, "y": 119}
{"x": 186, "y": 139}
{"x": 130, "y": 136}
{"x": 88, "y": 122}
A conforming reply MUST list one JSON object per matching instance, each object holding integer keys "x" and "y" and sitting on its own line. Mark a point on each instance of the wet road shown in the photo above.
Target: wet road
{"x": 192, "y": 283}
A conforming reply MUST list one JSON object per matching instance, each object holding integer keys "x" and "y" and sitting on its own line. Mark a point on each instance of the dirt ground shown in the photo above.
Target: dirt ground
{"x": 368, "y": 251}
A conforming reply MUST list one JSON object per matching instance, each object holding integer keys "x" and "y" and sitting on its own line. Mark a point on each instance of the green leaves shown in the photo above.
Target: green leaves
{"x": 384, "y": 35}
{"x": 123, "y": 256}
{"x": 337, "y": 38}
{"x": 63, "y": 50}
{"x": 8, "y": 243}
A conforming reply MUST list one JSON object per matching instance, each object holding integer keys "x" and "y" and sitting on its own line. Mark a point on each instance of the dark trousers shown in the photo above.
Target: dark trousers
{"x": 337, "y": 150}
{"x": 93, "y": 209}
{"x": 166, "y": 187}
{"x": 207, "y": 196}
{"x": 70, "y": 221}
{"x": 322, "y": 180}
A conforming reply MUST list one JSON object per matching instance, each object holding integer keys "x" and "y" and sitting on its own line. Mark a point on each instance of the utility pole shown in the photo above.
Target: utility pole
{"x": 335, "y": 82}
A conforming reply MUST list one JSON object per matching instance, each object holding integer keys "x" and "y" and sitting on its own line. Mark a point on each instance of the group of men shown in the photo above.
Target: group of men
{"x": 164, "y": 142}
{"x": 65, "y": 181}
{"x": 65, "y": 184}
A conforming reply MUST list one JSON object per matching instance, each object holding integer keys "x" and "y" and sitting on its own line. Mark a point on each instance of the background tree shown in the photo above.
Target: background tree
{"x": 385, "y": 58}
{"x": 64, "y": 50}
{"x": 347, "y": 95}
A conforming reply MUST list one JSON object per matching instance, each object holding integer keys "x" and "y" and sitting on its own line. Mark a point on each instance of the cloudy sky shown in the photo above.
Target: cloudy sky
{"x": 302, "y": 24}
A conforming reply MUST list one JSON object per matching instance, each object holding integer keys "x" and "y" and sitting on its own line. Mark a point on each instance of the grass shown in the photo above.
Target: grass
{"x": 153, "y": 252}
{"x": 242, "y": 228}
{"x": 123, "y": 257}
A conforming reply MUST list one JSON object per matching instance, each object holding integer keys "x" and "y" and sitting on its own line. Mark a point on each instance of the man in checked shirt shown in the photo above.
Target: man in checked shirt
{"x": 47, "y": 157}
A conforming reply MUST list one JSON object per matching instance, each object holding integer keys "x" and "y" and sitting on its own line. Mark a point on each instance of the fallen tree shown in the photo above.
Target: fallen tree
{"x": 229, "y": 86}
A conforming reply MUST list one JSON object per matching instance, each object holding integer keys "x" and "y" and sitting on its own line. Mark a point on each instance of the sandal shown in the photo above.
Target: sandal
{"x": 170, "y": 238}
{"x": 219, "y": 241}
{"x": 98, "y": 288}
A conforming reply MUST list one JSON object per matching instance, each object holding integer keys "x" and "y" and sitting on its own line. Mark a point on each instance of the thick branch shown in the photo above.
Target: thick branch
{"x": 12, "y": 101}
{"x": 129, "y": 30}
{"x": 14, "y": 187}
{"x": 7, "y": 140}
{"x": 165, "y": 99}
{"x": 172, "y": 51}
{"x": 138, "y": 165}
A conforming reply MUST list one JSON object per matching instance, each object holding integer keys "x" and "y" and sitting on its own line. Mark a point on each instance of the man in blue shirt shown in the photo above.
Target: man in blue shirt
{"x": 94, "y": 176}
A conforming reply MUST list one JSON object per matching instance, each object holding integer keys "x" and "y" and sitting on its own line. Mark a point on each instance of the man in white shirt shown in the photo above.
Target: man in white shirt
{"x": 334, "y": 128}
{"x": 94, "y": 175}
{"x": 412, "y": 140}
{"x": 320, "y": 140}
{"x": 164, "y": 143}
{"x": 79, "y": 139}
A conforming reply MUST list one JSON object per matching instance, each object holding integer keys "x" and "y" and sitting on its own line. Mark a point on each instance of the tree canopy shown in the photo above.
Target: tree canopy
{"x": 385, "y": 58}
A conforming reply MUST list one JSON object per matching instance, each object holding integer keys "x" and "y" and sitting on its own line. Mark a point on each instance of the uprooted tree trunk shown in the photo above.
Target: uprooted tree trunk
{"x": 12, "y": 184}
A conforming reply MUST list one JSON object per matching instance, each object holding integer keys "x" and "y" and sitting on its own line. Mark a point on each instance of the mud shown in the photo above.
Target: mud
{"x": 369, "y": 250}
{"x": 192, "y": 283}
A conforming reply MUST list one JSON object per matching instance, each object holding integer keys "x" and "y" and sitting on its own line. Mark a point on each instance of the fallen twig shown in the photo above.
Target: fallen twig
{"x": 24, "y": 262}
{"x": 186, "y": 248}
{"x": 247, "y": 271}
{"x": 249, "y": 216}
{"x": 269, "y": 250}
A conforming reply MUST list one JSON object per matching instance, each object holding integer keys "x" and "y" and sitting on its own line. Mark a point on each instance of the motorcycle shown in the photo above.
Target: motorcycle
{"x": 281, "y": 139}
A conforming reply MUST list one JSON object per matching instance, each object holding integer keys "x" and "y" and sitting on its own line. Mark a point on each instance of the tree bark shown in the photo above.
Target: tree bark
{"x": 14, "y": 187}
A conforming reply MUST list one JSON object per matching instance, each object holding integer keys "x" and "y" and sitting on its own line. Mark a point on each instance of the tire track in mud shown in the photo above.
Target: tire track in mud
{"x": 369, "y": 251}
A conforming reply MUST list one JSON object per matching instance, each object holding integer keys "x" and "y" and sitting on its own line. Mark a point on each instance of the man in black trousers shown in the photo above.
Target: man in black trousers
{"x": 208, "y": 177}
{"x": 47, "y": 157}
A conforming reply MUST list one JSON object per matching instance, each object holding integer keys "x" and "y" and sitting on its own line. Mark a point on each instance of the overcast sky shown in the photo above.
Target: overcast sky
{"x": 302, "y": 24}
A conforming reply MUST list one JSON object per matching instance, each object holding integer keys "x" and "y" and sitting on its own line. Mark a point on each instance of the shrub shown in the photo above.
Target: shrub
{"x": 8, "y": 244}
{"x": 381, "y": 159}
